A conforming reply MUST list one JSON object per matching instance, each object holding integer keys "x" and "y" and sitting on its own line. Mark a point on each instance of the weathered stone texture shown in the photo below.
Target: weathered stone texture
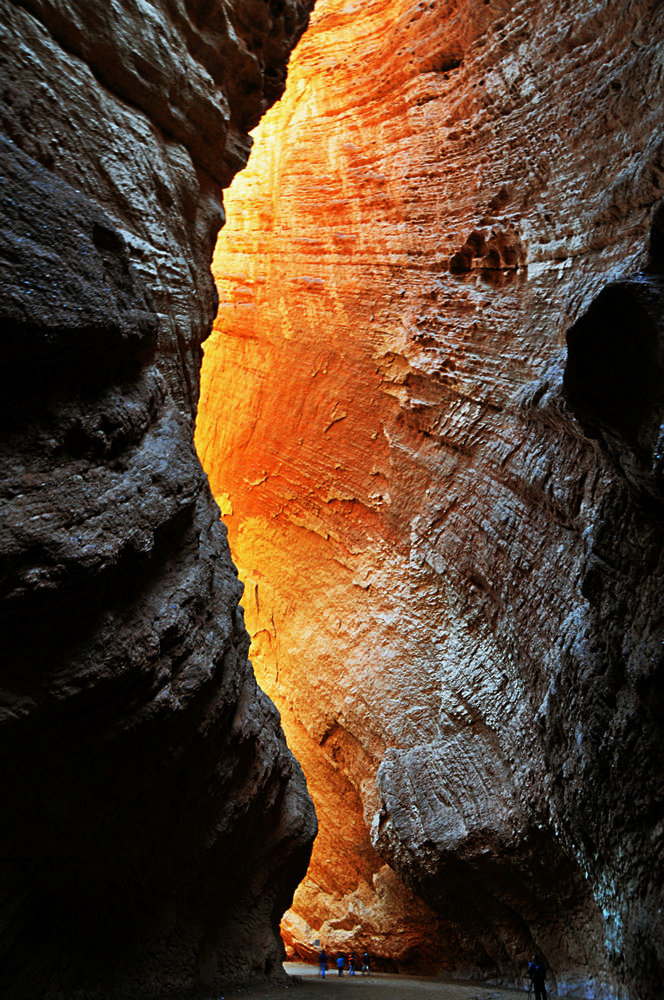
{"x": 154, "y": 822}
{"x": 450, "y": 527}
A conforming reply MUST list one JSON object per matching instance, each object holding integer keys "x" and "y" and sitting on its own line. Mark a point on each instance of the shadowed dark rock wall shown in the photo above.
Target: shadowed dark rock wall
{"x": 154, "y": 822}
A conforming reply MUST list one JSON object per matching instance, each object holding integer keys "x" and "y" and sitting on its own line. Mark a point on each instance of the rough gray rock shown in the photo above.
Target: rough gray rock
{"x": 154, "y": 822}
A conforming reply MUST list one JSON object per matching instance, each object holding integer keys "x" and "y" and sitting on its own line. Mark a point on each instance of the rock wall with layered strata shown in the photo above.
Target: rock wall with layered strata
{"x": 154, "y": 822}
{"x": 440, "y": 337}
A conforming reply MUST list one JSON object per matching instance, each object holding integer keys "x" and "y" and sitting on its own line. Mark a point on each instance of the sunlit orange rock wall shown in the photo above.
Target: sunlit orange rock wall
{"x": 450, "y": 539}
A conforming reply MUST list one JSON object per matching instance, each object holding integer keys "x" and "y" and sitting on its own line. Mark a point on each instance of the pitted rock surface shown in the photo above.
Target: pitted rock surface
{"x": 154, "y": 822}
{"x": 440, "y": 336}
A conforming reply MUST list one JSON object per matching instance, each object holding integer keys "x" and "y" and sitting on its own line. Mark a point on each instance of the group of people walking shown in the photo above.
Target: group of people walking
{"x": 340, "y": 964}
{"x": 536, "y": 970}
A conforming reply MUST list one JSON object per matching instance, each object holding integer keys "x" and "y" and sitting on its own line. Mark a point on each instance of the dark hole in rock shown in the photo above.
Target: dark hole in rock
{"x": 476, "y": 243}
{"x": 447, "y": 63}
{"x": 614, "y": 371}
{"x": 105, "y": 238}
{"x": 462, "y": 261}
{"x": 656, "y": 248}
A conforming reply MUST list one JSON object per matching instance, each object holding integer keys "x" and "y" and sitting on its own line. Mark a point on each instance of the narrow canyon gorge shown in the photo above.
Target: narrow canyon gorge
{"x": 431, "y": 415}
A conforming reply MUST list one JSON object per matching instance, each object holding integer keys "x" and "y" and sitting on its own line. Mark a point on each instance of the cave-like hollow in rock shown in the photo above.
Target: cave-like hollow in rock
{"x": 431, "y": 415}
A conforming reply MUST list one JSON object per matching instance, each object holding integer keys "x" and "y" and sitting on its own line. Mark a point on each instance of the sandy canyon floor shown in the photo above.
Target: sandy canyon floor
{"x": 308, "y": 985}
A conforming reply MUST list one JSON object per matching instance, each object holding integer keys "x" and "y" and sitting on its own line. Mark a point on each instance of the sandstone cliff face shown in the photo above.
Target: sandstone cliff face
{"x": 154, "y": 822}
{"x": 440, "y": 336}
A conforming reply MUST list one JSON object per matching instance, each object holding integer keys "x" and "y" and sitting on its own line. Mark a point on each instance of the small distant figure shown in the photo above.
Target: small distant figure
{"x": 537, "y": 975}
{"x": 365, "y": 964}
{"x": 352, "y": 962}
{"x": 322, "y": 961}
{"x": 340, "y": 965}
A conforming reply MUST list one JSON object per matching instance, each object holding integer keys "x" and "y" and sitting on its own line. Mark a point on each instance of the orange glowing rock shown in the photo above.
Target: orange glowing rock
{"x": 417, "y": 226}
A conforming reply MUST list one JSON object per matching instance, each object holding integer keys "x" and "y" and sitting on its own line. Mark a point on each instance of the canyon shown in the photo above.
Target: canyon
{"x": 431, "y": 417}
{"x": 431, "y": 414}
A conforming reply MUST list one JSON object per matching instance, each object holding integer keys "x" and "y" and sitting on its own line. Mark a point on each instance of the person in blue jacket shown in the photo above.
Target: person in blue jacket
{"x": 537, "y": 974}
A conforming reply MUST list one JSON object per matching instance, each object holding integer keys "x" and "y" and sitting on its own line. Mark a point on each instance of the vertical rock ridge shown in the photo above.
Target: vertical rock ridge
{"x": 154, "y": 822}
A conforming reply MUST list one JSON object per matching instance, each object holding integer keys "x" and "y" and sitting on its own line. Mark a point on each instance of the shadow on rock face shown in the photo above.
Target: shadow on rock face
{"x": 154, "y": 821}
{"x": 614, "y": 377}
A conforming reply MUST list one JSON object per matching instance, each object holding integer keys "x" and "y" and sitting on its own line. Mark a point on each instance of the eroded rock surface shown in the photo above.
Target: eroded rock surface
{"x": 440, "y": 337}
{"x": 154, "y": 822}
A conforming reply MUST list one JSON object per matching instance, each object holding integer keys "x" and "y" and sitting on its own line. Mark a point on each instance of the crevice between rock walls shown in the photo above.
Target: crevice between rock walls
{"x": 154, "y": 822}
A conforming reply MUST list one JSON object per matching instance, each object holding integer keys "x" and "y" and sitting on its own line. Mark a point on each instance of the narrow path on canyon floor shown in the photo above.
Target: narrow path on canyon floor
{"x": 307, "y": 984}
